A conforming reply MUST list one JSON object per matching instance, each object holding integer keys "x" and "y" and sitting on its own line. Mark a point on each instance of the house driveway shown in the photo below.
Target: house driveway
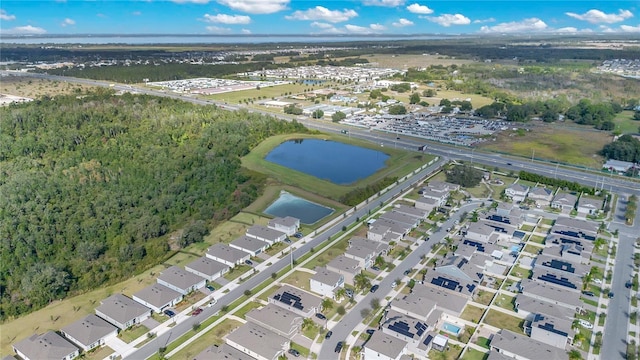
{"x": 150, "y": 323}
{"x": 302, "y": 340}
{"x": 119, "y": 347}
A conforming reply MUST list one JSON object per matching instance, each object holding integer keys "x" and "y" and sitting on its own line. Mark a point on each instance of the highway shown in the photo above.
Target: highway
{"x": 614, "y": 344}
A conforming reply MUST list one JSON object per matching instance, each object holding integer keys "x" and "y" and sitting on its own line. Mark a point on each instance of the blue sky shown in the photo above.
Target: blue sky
{"x": 317, "y": 17}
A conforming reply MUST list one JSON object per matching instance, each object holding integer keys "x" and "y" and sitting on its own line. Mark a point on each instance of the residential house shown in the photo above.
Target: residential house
{"x": 541, "y": 196}
{"x": 426, "y": 204}
{"x": 325, "y": 282}
{"x": 288, "y": 225}
{"x": 414, "y": 306}
{"x": 227, "y": 255}
{"x": 451, "y": 283}
{"x": 180, "y": 280}
{"x": 440, "y": 198}
{"x": 397, "y": 230}
{"x": 589, "y": 205}
{"x": 478, "y": 231}
{"x": 528, "y": 307}
{"x": 258, "y": 342}
{"x": 409, "y": 220}
{"x": 576, "y": 228}
{"x": 223, "y": 352}
{"x": 248, "y": 244}
{"x": 551, "y": 330}
{"x": 567, "y": 266}
{"x": 411, "y": 211}
{"x": 382, "y": 233}
{"x": 382, "y": 346}
{"x": 122, "y": 312}
{"x": 557, "y": 295}
{"x": 564, "y": 201}
{"x": 404, "y": 327}
{"x": 365, "y": 251}
{"x": 207, "y": 268}
{"x": 346, "y": 267}
{"x": 524, "y": 348}
{"x": 296, "y": 300}
{"x": 516, "y": 192}
{"x": 89, "y": 332}
{"x": 47, "y": 346}
{"x": 448, "y": 302}
{"x": 157, "y": 297}
{"x": 504, "y": 208}
{"x": 442, "y": 186}
{"x": 570, "y": 251}
{"x": 274, "y": 318}
{"x": 558, "y": 278}
{"x": 266, "y": 234}
{"x": 469, "y": 270}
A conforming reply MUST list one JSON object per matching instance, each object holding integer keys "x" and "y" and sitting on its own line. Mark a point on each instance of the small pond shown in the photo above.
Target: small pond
{"x": 334, "y": 161}
{"x": 291, "y": 205}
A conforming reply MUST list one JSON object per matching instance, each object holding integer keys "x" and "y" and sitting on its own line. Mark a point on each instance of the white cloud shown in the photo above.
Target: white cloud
{"x": 419, "y": 9}
{"x": 5, "y": 16}
{"x": 377, "y": 27}
{"x": 256, "y": 6}
{"x": 355, "y": 29}
{"x": 227, "y": 19}
{"x": 447, "y": 20}
{"x": 321, "y": 25}
{"x": 387, "y": 3}
{"x": 569, "y": 29}
{"x": 484, "y": 21}
{"x": 191, "y": 1}
{"x": 326, "y": 28}
{"x": 136, "y": 13}
{"x": 595, "y": 16}
{"x": 67, "y": 21}
{"x": 526, "y": 25}
{"x": 629, "y": 28}
{"x": 217, "y": 29}
{"x": 245, "y": 31}
{"x": 402, "y": 23}
{"x": 26, "y": 30}
{"x": 323, "y": 14}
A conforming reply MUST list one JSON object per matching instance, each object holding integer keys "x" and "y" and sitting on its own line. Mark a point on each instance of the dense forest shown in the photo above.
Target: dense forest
{"x": 625, "y": 148}
{"x": 92, "y": 187}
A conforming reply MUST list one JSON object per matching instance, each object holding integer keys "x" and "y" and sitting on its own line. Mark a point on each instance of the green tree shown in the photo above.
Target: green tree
{"x": 397, "y": 110}
{"x": 327, "y": 304}
{"x": 338, "y": 116}
{"x": 429, "y": 93}
{"x": 464, "y": 175}
{"x": 318, "y": 114}
{"x": 365, "y": 312}
{"x": 341, "y": 310}
{"x": 414, "y": 98}
{"x": 361, "y": 281}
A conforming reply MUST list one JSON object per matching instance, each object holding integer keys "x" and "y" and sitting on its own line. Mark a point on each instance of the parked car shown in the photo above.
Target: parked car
{"x": 169, "y": 313}
{"x": 349, "y": 293}
{"x": 585, "y": 324}
{"x": 338, "y": 347}
{"x": 588, "y": 293}
{"x": 287, "y": 240}
{"x": 374, "y": 288}
{"x": 320, "y": 316}
{"x": 628, "y": 284}
{"x": 610, "y": 295}
{"x": 212, "y": 302}
{"x": 210, "y": 288}
{"x": 196, "y": 312}
{"x": 248, "y": 262}
{"x": 597, "y": 281}
{"x": 407, "y": 272}
{"x": 297, "y": 235}
{"x": 370, "y": 331}
{"x": 375, "y": 268}
{"x": 328, "y": 335}
{"x": 294, "y": 352}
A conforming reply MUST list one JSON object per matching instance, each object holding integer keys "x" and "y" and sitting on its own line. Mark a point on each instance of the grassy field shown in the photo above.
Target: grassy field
{"x": 212, "y": 337}
{"x": 330, "y": 254}
{"x": 266, "y": 93}
{"x": 34, "y": 88}
{"x": 404, "y": 61}
{"x": 299, "y": 279}
{"x": 472, "y": 313}
{"x": 504, "y": 321}
{"x": 625, "y": 123}
{"x": 556, "y": 142}
{"x": 473, "y": 354}
{"x": 399, "y": 163}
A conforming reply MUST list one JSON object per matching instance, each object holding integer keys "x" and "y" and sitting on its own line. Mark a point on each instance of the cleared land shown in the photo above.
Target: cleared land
{"x": 34, "y": 88}
{"x": 404, "y": 61}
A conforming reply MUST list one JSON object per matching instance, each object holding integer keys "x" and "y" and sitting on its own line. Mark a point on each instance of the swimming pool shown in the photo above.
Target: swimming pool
{"x": 451, "y": 328}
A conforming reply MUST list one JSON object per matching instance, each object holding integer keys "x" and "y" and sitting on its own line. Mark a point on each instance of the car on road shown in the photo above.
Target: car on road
{"x": 210, "y": 288}
{"x": 294, "y": 352}
{"x": 628, "y": 284}
{"x": 169, "y": 313}
{"x": 588, "y": 293}
{"x": 338, "y": 347}
{"x": 248, "y": 262}
{"x": 212, "y": 302}
{"x": 196, "y": 312}
{"x": 407, "y": 272}
{"x": 370, "y": 331}
{"x": 509, "y": 164}
{"x": 585, "y": 324}
{"x": 320, "y": 316}
{"x": 374, "y": 288}
{"x": 610, "y": 295}
{"x": 328, "y": 335}
{"x": 395, "y": 283}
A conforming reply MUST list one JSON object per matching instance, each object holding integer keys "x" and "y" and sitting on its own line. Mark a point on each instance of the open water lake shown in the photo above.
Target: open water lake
{"x": 334, "y": 161}
{"x": 290, "y": 205}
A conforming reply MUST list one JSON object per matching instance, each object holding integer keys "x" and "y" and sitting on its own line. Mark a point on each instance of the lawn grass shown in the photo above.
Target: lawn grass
{"x": 452, "y": 353}
{"x": 212, "y": 337}
{"x": 299, "y": 279}
{"x": 328, "y": 255}
{"x": 484, "y": 297}
{"x": 505, "y": 302}
{"x": 548, "y": 222}
{"x": 400, "y": 163}
{"x": 531, "y": 249}
{"x": 236, "y": 272}
{"x": 250, "y": 219}
{"x": 520, "y": 272}
{"x": 473, "y": 354}
{"x": 504, "y": 321}
{"x": 130, "y": 334}
{"x": 472, "y": 313}
{"x": 537, "y": 239}
{"x": 484, "y": 342}
{"x": 527, "y": 228}
{"x": 568, "y": 144}
{"x": 245, "y": 309}
{"x": 625, "y": 123}
{"x": 100, "y": 353}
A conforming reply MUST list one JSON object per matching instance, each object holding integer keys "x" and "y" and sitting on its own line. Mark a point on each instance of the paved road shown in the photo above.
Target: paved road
{"x": 178, "y": 330}
{"x": 612, "y": 345}
{"x": 348, "y": 323}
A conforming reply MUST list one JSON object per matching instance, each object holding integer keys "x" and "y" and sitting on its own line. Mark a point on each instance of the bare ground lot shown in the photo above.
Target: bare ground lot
{"x": 405, "y": 61}
{"x": 34, "y": 88}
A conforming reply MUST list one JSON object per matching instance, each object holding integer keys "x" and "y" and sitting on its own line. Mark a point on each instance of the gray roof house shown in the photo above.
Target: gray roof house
{"x": 251, "y": 245}
{"x": 521, "y": 347}
{"x": 414, "y": 306}
{"x": 404, "y": 327}
{"x": 570, "y": 267}
{"x": 564, "y": 201}
{"x": 516, "y": 192}
{"x": 288, "y": 225}
{"x": 541, "y": 195}
{"x": 384, "y": 346}
{"x": 529, "y": 307}
{"x": 401, "y": 218}
{"x": 440, "y": 198}
{"x": 554, "y": 294}
{"x": 448, "y": 302}
{"x": 398, "y": 228}
{"x": 589, "y": 205}
{"x": 90, "y": 332}
{"x": 575, "y": 228}
{"x": 382, "y": 233}
{"x": 157, "y": 297}
{"x": 618, "y": 166}
{"x": 462, "y": 268}
{"x": 48, "y": 346}
{"x": 346, "y": 267}
{"x": 550, "y": 330}
{"x": 181, "y": 280}
{"x": 227, "y": 255}
{"x": 426, "y": 204}
{"x": 557, "y": 277}
{"x": 451, "y": 283}
{"x": 478, "y": 231}
{"x": 122, "y": 312}
{"x": 573, "y": 252}
{"x": 272, "y": 317}
{"x": 442, "y": 186}
{"x": 266, "y": 234}
{"x": 411, "y": 211}
{"x": 365, "y": 251}
{"x": 258, "y": 342}
{"x": 223, "y": 352}
{"x": 296, "y": 300}
{"x": 207, "y": 268}
{"x": 325, "y": 282}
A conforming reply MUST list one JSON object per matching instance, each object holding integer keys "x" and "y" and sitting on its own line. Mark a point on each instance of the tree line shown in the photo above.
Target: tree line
{"x": 97, "y": 187}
